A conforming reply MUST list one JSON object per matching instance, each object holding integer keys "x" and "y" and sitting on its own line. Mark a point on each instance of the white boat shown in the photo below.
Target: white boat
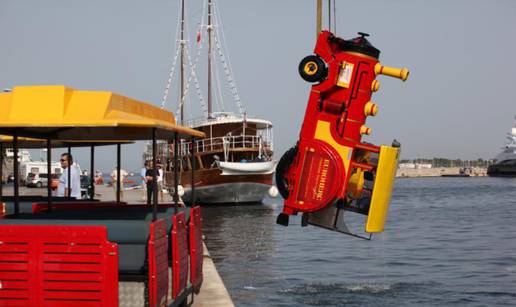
{"x": 221, "y": 176}
{"x": 243, "y": 168}
{"x": 505, "y": 165}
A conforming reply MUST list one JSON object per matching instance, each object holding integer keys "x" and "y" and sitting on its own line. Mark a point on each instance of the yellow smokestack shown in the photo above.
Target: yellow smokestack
{"x": 400, "y": 73}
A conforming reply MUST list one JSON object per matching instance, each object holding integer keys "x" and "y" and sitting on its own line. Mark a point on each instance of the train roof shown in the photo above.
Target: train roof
{"x": 63, "y": 113}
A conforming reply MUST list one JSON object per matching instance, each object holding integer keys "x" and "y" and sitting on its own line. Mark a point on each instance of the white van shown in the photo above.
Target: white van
{"x": 36, "y": 168}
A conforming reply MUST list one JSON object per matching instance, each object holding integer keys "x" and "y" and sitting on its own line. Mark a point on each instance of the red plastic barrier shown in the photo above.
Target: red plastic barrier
{"x": 57, "y": 266}
{"x": 196, "y": 248}
{"x": 158, "y": 263}
{"x": 179, "y": 254}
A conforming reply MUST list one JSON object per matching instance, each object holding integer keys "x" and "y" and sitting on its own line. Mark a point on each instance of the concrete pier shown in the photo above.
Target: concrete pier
{"x": 213, "y": 291}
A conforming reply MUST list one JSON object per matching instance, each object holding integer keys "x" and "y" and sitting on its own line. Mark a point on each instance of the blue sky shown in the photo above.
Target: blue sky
{"x": 459, "y": 101}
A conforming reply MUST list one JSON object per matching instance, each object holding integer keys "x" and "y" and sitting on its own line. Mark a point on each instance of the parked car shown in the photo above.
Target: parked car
{"x": 40, "y": 180}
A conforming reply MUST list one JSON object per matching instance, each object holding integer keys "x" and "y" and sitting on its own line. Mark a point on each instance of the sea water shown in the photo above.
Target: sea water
{"x": 447, "y": 242}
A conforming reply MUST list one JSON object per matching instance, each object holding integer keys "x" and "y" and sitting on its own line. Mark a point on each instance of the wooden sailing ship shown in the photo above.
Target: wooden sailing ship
{"x": 234, "y": 162}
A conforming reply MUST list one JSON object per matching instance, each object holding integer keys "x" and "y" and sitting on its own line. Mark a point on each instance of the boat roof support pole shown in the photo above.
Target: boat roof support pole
{"x": 16, "y": 176}
{"x": 193, "y": 174}
{"x": 176, "y": 173}
{"x": 118, "y": 161}
{"x": 70, "y": 163}
{"x": 92, "y": 172}
{"x": 49, "y": 174}
{"x": 154, "y": 177}
{"x": 2, "y": 171}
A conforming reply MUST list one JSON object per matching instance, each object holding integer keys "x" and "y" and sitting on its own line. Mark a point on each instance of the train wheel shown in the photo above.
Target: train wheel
{"x": 312, "y": 69}
{"x": 284, "y": 164}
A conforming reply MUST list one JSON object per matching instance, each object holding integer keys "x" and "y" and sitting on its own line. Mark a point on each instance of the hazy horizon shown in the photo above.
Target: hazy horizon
{"x": 457, "y": 103}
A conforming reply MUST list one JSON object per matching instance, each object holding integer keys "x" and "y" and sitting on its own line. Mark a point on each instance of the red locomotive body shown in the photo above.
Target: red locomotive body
{"x": 330, "y": 166}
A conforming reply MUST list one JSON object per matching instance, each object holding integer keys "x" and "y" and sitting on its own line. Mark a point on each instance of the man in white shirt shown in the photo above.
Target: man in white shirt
{"x": 75, "y": 183}
{"x": 160, "y": 182}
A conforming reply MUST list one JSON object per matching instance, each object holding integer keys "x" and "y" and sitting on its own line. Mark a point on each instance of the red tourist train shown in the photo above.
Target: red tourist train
{"x": 59, "y": 251}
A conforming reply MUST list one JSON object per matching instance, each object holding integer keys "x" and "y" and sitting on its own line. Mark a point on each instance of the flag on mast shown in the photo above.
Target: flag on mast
{"x": 198, "y": 36}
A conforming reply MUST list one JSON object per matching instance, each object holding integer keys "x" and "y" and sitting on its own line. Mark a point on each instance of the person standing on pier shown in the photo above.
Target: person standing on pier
{"x": 160, "y": 181}
{"x": 150, "y": 182}
{"x": 75, "y": 183}
{"x": 143, "y": 173}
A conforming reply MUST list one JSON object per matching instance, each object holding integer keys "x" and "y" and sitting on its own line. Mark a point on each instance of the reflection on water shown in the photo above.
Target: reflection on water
{"x": 448, "y": 241}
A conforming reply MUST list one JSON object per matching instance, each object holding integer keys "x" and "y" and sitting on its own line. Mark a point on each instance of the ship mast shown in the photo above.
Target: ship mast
{"x": 182, "y": 74}
{"x": 209, "y": 29}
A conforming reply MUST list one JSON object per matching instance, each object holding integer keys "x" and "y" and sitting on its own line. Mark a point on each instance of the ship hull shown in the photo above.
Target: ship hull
{"x": 228, "y": 193}
{"x": 502, "y": 170}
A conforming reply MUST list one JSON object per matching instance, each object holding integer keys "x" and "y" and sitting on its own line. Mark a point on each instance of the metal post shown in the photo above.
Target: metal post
{"x": 193, "y": 174}
{"x": 49, "y": 174}
{"x": 2, "y": 171}
{"x": 176, "y": 173}
{"x": 70, "y": 163}
{"x": 118, "y": 184}
{"x": 154, "y": 178}
{"x": 329, "y": 15}
{"x": 16, "y": 176}
{"x": 319, "y": 18}
{"x": 92, "y": 170}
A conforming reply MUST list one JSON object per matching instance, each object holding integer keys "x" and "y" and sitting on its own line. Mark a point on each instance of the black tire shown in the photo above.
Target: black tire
{"x": 312, "y": 69}
{"x": 39, "y": 184}
{"x": 283, "y": 165}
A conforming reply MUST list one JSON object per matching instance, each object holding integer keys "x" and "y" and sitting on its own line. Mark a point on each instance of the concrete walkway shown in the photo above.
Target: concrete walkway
{"x": 213, "y": 292}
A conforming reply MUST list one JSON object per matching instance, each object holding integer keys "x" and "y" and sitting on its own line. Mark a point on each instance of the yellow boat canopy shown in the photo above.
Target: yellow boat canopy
{"x": 63, "y": 113}
{"x": 30, "y": 143}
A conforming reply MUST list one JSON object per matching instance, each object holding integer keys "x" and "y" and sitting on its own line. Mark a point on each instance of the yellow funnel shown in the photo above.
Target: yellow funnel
{"x": 400, "y": 73}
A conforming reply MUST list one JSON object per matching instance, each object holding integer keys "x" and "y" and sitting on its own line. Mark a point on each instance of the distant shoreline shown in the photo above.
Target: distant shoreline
{"x": 439, "y": 171}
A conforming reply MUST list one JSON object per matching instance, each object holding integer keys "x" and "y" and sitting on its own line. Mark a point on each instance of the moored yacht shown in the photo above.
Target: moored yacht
{"x": 505, "y": 165}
